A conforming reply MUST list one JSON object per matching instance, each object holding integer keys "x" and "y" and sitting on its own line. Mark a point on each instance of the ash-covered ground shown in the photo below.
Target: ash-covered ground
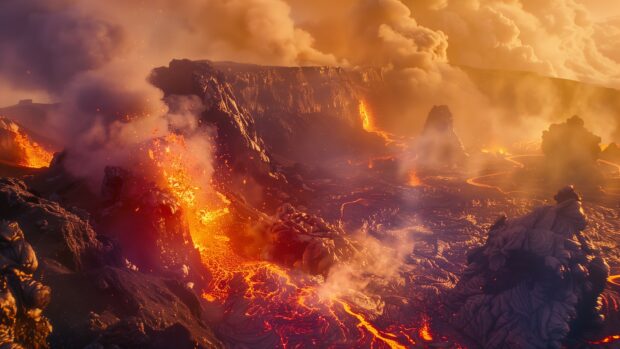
{"x": 334, "y": 233}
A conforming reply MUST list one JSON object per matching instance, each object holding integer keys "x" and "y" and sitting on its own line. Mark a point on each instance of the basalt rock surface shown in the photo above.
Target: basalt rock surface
{"x": 99, "y": 300}
{"x": 534, "y": 282}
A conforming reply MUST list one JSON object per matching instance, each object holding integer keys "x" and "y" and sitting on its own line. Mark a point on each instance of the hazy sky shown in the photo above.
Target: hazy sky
{"x": 603, "y": 8}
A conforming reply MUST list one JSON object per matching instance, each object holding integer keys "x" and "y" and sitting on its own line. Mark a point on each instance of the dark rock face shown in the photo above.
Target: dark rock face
{"x": 301, "y": 114}
{"x": 55, "y": 232}
{"x": 571, "y": 152}
{"x": 438, "y": 146}
{"x": 98, "y": 300}
{"x": 149, "y": 225}
{"x": 534, "y": 281}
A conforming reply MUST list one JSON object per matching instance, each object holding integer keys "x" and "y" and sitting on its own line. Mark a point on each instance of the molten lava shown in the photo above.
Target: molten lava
{"x": 368, "y": 123}
{"x": 425, "y": 331}
{"x": 26, "y": 152}
{"x": 265, "y": 297}
{"x": 34, "y": 155}
{"x": 413, "y": 180}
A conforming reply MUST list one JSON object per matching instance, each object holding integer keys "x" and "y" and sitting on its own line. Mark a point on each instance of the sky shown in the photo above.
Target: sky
{"x": 602, "y": 9}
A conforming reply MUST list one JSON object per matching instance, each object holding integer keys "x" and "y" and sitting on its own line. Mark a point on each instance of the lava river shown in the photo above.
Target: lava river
{"x": 266, "y": 305}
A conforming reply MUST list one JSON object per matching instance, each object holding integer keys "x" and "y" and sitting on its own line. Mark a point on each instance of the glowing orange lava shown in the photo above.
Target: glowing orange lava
{"x": 614, "y": 280}
{"x": 495, "y": 151}
{"x": 607, "y": 339}
{"x": 32, "y": 154}
{"x": 368, "y": 123}
{"x": 264, "y": 296}
{"x": 363, "y": 323}
{"x": 425, "y": 331}
{"x": 414, "y": 180}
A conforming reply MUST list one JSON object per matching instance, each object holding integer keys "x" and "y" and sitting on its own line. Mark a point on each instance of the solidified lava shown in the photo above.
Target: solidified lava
{"x": 535, "y": 282}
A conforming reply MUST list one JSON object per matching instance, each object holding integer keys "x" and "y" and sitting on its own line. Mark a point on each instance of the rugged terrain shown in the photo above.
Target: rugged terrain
{"x": 332, "y": 237}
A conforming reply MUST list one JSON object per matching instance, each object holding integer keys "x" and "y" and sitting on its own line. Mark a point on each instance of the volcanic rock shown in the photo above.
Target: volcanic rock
{"x": 611, "y": 153}
{"x": 438, "y": 146}
{"x": 149, "y": 225}
{"x": 300, "y": 114}
{"x": 534, "y": 281}
{"x": 98, "y": 298}
{"x": 298, "y": 239}
{"x": 55, "y": 233}
{"x": 571, "y": 152}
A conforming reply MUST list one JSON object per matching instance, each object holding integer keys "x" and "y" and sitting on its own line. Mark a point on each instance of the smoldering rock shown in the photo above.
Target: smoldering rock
{"x": 534, "y": 282}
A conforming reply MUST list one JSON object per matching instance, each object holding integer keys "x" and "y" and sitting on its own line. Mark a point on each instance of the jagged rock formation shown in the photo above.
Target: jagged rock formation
{"x": 297, "y": 239}
{"x": 98, "y": 299}
{"x": 149, "y": 225}
{"x": 299, "y": 114}
{"x": 438, "y": 146}
{"x": 571, "y": 152}
{"x": 534, "y": 281}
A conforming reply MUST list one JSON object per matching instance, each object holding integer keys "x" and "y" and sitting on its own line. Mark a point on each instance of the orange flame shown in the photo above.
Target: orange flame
{"x": 614, "y": 280}
{"x": 34, "y": 155}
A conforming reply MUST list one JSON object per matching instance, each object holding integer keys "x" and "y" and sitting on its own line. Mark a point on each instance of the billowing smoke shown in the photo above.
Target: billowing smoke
{"x": 94, "y": 58}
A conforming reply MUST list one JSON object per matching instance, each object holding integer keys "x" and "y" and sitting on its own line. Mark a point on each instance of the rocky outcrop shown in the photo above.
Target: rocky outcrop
{"x": 299, "y": 114}
{"x": 438, "y": 146}
{"x": 150, "y": 227}
{"x": 571, "y": 152}
{"x": 534, "y": 281}
{"x": 55, "y": 232}
{"x": 99, "y": 299}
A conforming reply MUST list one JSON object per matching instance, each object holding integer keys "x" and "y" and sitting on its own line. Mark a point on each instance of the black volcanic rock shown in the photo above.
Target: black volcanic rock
{"x": 98, "y": 300}
{"x": 55, "y": 232}
{"x": 438, "y": 146}
{"x": 571, "y": 152}
{"x": 534, "y": 282}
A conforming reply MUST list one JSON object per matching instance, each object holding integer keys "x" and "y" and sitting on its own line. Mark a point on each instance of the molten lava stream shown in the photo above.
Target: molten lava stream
{"x": 261, "y": 298}
{"x": 30, "y": 153}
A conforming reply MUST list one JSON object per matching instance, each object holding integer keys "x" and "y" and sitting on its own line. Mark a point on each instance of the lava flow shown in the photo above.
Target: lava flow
{"x": 28, "y": 152}
{"x": 266, "y": 298}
